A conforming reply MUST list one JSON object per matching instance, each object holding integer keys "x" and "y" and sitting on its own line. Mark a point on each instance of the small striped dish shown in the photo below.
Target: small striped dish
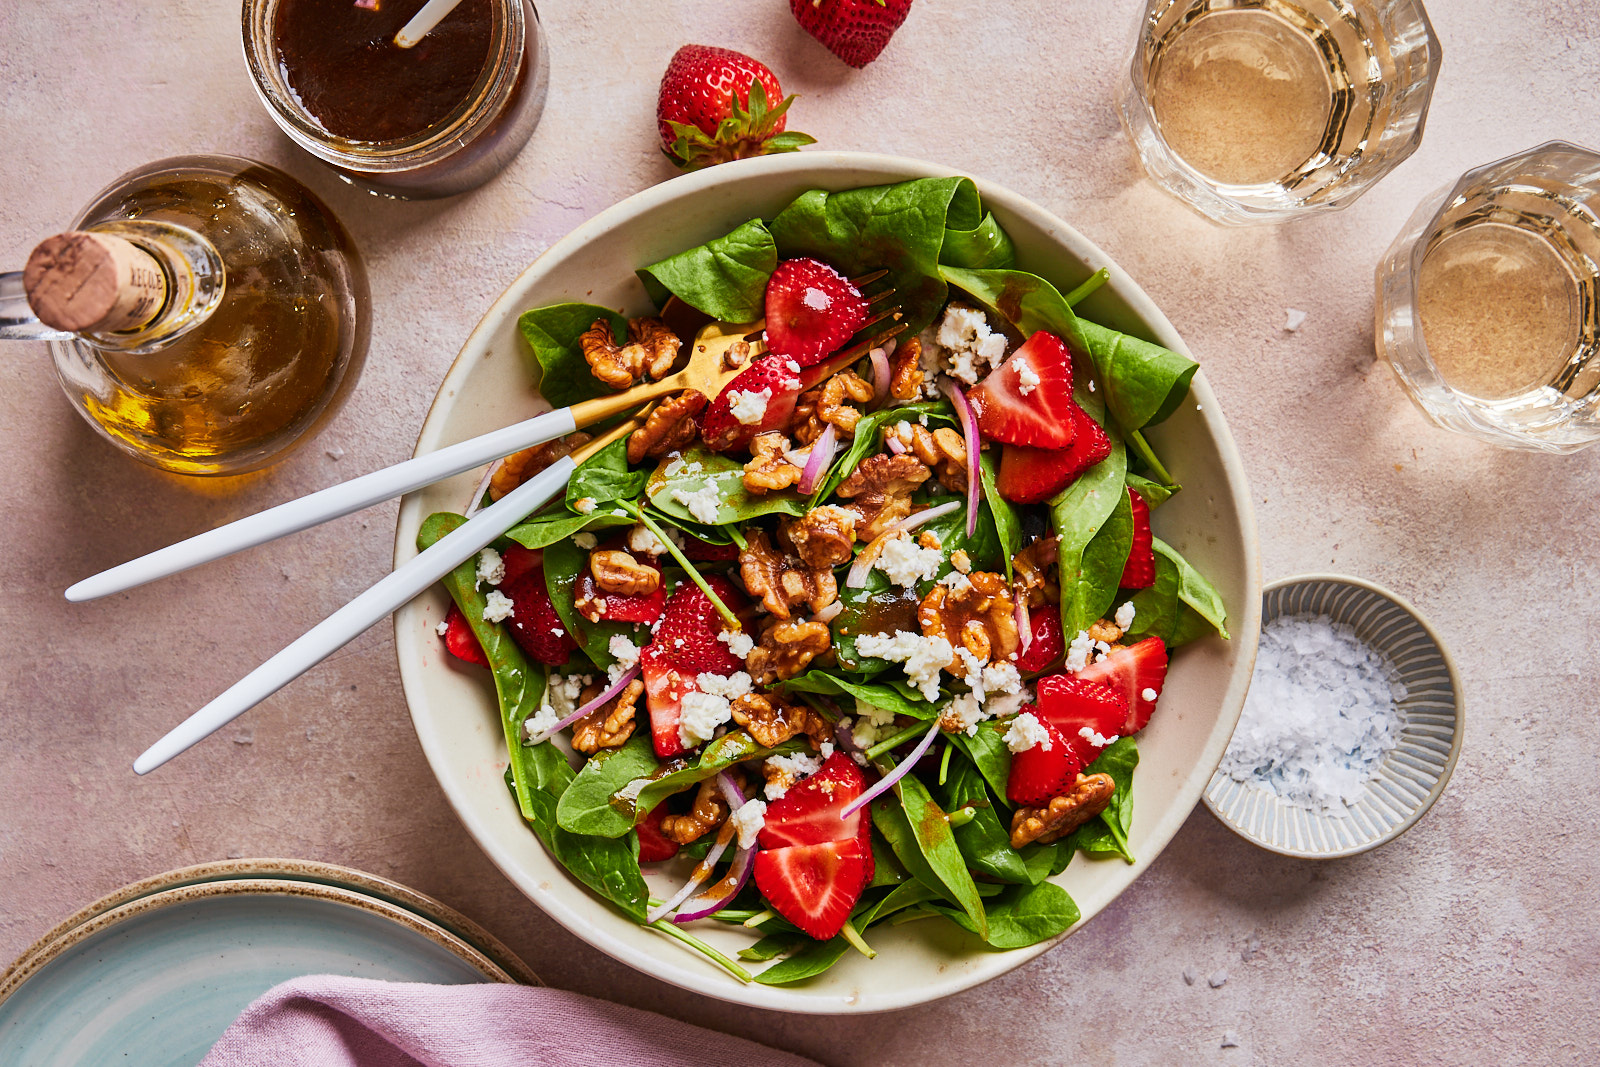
{"x": 1410, "y": 778}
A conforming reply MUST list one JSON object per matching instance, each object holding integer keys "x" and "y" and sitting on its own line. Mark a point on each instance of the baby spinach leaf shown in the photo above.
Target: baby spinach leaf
{"x": 553, "y": 334}
{"x": 700, "y": 468}
{"x": 561, "y": 524}
{"x": 868, "y": 439}
{"x": 876, "y": 606}
{"x": 936, "y": 846}
{"x": 983, "y": 840}
{"x": 604, "y": 477}
{"x": 586, "y": 807}
{"x": 1041, "y": 861}
{"x": 900, "y": 228}
{"x": 1143, "y": 382}
{"x": 773, "y": 946}
{"x": 985, "y": 245}
{"x": 1086, "y": 288}
{"x": 725, "y": 278}
{"x": 987, "y": 751}
{"x": 1181, "y": 606}
{"x": 1022, "y": 915}
{"x": 886, "y": 869}
{"x": 719, "y": 755}
{"x": 809, "y": 962}
{"x": 1007, "y": 523}
{"x": 875, "y": 693}
{"x": 1155, "y": 494}
{"x": 1077, "y": 515}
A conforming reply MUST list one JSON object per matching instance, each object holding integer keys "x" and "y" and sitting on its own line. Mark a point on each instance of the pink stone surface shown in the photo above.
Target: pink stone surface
{"x": 1472, "y": 933}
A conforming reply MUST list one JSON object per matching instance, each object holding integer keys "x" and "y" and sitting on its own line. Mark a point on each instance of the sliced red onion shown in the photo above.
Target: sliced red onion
{"x": 846, "y": 739}
{"x": 1024, "y": 624}
{"x": 829, "y": 613}
{"x": 616, "y": 687}
{"x": 822, "y": 450}
{"x": 893, "y": 776}
{"x": 730, "y": 791}
{"x": 702, "y": 871}
{"x": 880, "y": 376}
{"x": 483, "y": 487}
{"x": 895, "y": 444}
{"x": 969, "y": 428}
{"x": 739, "y": 873}
{"x": 870, "y": 554}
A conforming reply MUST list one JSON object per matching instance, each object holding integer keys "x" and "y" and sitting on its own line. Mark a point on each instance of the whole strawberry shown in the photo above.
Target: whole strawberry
{"x": 717, "y": 105}
{"x": 854, "y": 30}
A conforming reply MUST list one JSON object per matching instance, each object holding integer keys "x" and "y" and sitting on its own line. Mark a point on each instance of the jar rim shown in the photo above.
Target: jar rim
{"x": 478, "y": 110}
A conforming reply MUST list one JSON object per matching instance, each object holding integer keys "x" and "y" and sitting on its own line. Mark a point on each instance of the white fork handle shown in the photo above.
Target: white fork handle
{"x": 325, "y": 504}
{"x": 344, "y": 625}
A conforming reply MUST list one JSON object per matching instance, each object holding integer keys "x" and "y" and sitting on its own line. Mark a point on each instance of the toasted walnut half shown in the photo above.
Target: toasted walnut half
{"x": 609, "y": 725}
{"x": 786, "y": 648}
{"x": 977, "y": 614}
{"x": 905, "y": 370}
{"x": 823, "y": 537}
{"x": 782, "y": 580}
{"x": 769, "y": 470}
{"x": 880, "y": 491}
{"x": 616, "y": 571}
{"x": 830, "y": 403}
{"x": 1105, "y": 630}
{"x": 1030, "y": 571}
{"x": 650, "y": 350}
{"x": 1087, "y": 798}
{"x": 710, "y": 809}
{"x": 670, "y": 426}
{"x": 772, "y": 722}
{"x": 942, "y": 449}
{"x": 520, "y": 466}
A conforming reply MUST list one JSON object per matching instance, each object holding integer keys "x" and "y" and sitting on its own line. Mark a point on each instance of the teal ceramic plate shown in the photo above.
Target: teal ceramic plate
{"x": 156, "y": 978}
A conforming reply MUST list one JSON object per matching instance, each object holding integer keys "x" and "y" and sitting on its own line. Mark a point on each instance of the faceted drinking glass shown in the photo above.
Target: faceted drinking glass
{"x": 1486, "y": 301}
{"x": 1264, "y": 110}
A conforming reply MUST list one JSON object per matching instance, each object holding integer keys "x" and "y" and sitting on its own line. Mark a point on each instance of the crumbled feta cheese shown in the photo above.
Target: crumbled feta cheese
{"x": 1148, "y": 694}
{"x": 1102, "y": 647}
{"x": 924, "y": 657}
{"x": 727, "y": 687}
{"x": 1078, "y": 651}
{"x": 873, "y": 714}
{"x": 785, "y": 771}
{"x": 674, "y": 467}
{"x": 643, "y": 540}
{"x": 972, "y": 668}
{"x": 905, "y": 563}
{"x": 1026, "y": 732}
{"x": 955, "y": 580}
{"x": 1027, "y": 377}
{"x": 750, "y": 406}
{"x": 1124, "y": 616}
{"x": 442, "y": 629}
{"x": 562, "y": 691}
{"x": 792, "y": 365}
{"x": 738, "y": 642}
{"x": 1001, "y": 704}
{"x": 1091, "y": 385}
{"x": 965, "y": 713}
{"x": 491, "y": 568}
{"x": 968, "y": 348}
{"x": 703, "y": 503}
{"x": 541, "y": 722}
{"x": 585, "y": 540}
{"x": 631, "y": 791}
{"x": 1002, "y": 678}
{"x": 701, "y": 714}
{"x": 497, "y": 607}
{"x": 626, "y": 653}
{"x": 825, "y": 750}
{"x": 584, "y": 505}
{"x": 748, "y": 819}
{"x": 1095, "y": 738}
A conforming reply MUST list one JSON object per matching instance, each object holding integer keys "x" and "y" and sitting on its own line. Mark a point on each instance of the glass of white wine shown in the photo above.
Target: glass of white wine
{"x": 1486, "y": 302}
{"x": 1264, "y": 110}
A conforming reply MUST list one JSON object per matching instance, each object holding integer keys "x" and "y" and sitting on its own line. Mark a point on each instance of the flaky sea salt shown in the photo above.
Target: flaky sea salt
{"x": 1320, "y": 716}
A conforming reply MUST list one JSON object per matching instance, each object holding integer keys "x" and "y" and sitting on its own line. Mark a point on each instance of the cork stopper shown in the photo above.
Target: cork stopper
{"x": 81, "y": 281}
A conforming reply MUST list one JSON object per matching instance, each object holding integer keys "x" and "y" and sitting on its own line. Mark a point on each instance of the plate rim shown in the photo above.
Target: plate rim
{"x": 348, "y": 880}
{"x": 1245, "y": 635}
{"x": 1458, "y": 733}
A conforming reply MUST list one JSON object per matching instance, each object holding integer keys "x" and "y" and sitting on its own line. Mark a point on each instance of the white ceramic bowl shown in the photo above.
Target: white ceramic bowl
{"x": 491, "y": 385}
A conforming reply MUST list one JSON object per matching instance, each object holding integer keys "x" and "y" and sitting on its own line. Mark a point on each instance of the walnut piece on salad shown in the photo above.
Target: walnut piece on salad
{"x": 1087, "y": 798}
{"x": 651, "y": 349}
{"x": 611, "y": 724}
{"x": 976, "y": 614}
{"x": 769, "y": 469}
{"x": 670, "y": 426}
{"x": 786, "y": 649}
{"x": 879, "y": 491}
{"x": 709, "y": 811}
{"x": 771, "y": 721}
{"x": 783, "y": 581}
{"x": 616, "y": 571}
{"x": 520, "y": 466}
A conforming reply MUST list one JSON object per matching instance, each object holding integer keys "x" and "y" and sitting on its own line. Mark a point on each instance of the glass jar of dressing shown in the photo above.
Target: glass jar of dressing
{"x": 433, "y": 120}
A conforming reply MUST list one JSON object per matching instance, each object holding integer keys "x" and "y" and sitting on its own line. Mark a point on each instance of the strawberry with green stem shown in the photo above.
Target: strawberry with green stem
{"x": 718, "y": 105}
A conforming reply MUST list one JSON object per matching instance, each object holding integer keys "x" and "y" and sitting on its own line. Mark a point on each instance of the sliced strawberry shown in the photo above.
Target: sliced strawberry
{"x": 1131, "y": 670}
{"x": 460, "y": 640}
{"x": 520, "y": 561}
{"x": 1048, "y": 645}
{"x": 1066, "y": 706}
{"x": 812, "y": 310}
{"x": 534, "y": 622}
{"x": 1020, "y": 410}
{"x": 815, "y": 886}
{"x": 706, "y": 552}
{"x": 684, "y": 647}
{"x": 654, "y": 846}
{"x": 1140, "y": 570}
{"x": 808, "y": 813}
{"x": 1029, "y": 475}
{"x": 778, "y": 378}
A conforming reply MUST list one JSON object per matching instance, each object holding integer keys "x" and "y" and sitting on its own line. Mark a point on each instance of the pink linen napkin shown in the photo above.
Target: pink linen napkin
{"x": 331, "y": 1021}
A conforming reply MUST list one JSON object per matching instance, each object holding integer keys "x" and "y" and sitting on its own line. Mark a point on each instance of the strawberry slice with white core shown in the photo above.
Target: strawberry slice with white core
{"x": 685, "y": 646}
{"x": 815, "y": 886}
{"x": 760, "y": 399}
{"x": 812, "y": 309}
{"x": 1137, "y": 672}
{"x": 808, "y": 813}
{"x": 1027, "y": 400}
{"x": 1140, "y": 570}
{"x": 1077, "y": 715}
